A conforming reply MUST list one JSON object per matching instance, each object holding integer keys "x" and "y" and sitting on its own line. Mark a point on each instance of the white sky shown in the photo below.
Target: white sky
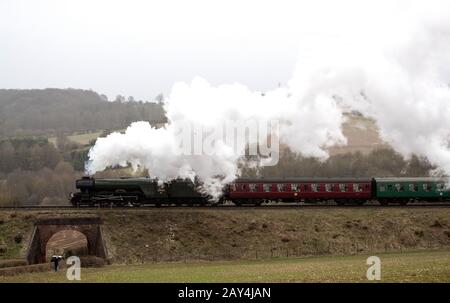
{"x": 141, "y": 48}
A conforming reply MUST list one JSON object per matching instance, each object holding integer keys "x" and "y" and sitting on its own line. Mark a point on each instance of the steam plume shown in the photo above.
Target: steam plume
{"x": 397, "y": 73}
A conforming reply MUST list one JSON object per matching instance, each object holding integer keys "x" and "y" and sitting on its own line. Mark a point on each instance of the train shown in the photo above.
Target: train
{"x": 341, "y": 191}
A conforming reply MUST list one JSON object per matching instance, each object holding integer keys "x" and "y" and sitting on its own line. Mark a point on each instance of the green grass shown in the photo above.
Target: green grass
{"x": 82, "y": 139}
{"x": 14, "y": 231}
{"x": 425, "y": 266}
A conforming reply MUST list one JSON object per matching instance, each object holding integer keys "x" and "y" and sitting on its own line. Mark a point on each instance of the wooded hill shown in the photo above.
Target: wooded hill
{"x": 38, "y": 112}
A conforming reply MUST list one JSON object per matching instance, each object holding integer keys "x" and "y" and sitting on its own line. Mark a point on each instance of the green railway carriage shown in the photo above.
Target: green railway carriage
{"x": 404, "y": 190}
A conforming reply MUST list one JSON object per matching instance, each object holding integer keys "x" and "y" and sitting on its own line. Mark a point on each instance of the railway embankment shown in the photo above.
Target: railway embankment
{"x": 180, "y": 234}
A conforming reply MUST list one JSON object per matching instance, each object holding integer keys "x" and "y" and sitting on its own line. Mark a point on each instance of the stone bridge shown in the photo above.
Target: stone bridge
{"x": 45, "y": 228}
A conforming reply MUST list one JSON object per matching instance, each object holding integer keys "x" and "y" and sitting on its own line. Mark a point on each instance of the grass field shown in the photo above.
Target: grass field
{"x": 82, "y": 139}
{"x": 425, "y": 266}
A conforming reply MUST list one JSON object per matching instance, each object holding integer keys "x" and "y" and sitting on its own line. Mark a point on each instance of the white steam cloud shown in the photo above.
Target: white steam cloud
{"x": 308, "y": 124}
{"x": 397, "y": 73}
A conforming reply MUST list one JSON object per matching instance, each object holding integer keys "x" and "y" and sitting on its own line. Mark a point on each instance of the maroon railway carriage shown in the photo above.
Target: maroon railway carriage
{"x": 341, "y": 190}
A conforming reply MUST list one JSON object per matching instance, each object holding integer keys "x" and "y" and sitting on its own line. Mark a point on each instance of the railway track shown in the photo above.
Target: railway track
{"x": 233, "y": 207}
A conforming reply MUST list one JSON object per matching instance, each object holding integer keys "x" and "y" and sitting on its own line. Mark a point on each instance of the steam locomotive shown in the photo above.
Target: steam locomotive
{"x": 342, "y": 191}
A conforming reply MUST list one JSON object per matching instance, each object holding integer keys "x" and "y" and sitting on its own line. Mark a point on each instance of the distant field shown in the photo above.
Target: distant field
{"x": 82, "y": 139}
{"x": 425, "y": 266}
{"x": 362, "y": 135}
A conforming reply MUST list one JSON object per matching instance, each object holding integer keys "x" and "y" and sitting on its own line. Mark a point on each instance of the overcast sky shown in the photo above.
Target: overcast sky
{"x": 141, "y": 48}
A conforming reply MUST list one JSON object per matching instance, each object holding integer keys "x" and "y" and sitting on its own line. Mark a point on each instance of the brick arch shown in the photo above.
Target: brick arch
{"x": 45, "y": 228}
{"x": 77, "y": 239}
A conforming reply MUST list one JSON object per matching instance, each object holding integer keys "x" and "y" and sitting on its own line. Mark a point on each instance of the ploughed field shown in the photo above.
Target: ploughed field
{"x": 421, "y": 266}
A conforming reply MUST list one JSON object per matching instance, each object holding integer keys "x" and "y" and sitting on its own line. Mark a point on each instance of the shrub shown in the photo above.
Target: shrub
{"x": 76, "y": 251}
{"x": 12, "y": 263}
{"x": 12, "y": 271}
{"x": 18, "y": 238}
{"x": 92, "y": 261}
{"x": 437, "y": 224}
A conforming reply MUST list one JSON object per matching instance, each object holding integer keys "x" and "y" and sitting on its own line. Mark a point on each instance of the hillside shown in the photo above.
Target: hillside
{"x": 40, "y": 112}
{"x": 178, "y": 234}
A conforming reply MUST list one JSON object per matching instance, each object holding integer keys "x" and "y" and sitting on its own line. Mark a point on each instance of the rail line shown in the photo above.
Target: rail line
{"x": 232, "y": 207}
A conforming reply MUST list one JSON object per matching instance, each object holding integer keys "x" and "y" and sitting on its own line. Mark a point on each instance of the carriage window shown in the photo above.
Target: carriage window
{"x": 294, "y": 188}
{"x": 357, "y": 188}
{"x": 243, "y": 187}
{"x": 253, "y": 187}
{"x": 367, "y": 187}
{"x": 305, "y": 187}
{"x": 280, "y": 187}
{"x": 314, "y": 187}
{"x": 440, "y": 187}
{"x": 382, "y": 188}
{"x": 266, "y": 188}
{"x": 233, "y": 187}
{"x": 399, "y": 187}
{"x": 343, "y": 188}
{"x": 426, "y": 187}
{"x": 413, "y": 187}
{"x": 328, "y": 187}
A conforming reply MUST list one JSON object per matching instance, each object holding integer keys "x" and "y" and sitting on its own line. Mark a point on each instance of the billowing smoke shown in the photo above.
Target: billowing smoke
{"x": 308, "y": 123}
{"x": 397, "y": 73}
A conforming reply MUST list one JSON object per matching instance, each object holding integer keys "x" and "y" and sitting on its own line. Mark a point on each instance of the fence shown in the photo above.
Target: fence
{"x": 274, "y": 252}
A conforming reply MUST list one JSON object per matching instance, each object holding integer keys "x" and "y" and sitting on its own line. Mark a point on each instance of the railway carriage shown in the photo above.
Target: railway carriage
{"x": 310, "y": 190}
{"x": 405, "y": 190}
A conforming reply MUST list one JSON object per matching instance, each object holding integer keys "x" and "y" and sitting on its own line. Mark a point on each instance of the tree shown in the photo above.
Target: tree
{"x": 418, "y": 167}
{"x": 159, "y": 98}
{"x": 119, "y": 99}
